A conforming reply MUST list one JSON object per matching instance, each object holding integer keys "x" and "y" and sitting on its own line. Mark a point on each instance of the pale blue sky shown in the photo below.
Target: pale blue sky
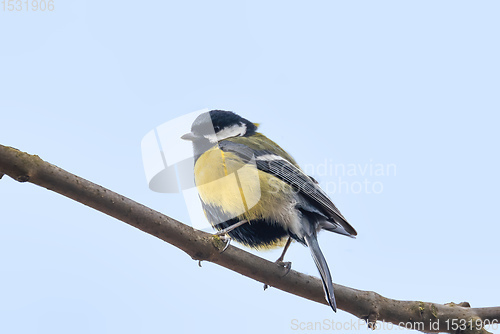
{"x": 407, "y": 83}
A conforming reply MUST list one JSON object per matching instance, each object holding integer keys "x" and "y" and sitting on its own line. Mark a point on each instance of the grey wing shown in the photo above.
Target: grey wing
{"x": 278, "y": 166}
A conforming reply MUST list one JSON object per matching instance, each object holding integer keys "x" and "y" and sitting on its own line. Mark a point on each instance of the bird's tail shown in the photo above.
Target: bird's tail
{"x": 326, "y": 278}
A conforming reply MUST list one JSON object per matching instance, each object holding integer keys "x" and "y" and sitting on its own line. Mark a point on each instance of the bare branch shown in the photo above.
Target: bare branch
{"x": 367, "y": 305}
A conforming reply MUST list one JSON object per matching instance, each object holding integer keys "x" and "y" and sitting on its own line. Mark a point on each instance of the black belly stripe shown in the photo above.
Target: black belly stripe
{"x": 256, "y": 233}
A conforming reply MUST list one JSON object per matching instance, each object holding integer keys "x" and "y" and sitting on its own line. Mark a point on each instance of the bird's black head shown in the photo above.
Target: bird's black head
{"x": 217, "y": 125}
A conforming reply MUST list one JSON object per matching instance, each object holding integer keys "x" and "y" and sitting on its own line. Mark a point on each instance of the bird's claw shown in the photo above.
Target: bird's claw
{"x": 287, "y": 265}
{"x": 224, "y": 237}
{"x": 228, "y": 241}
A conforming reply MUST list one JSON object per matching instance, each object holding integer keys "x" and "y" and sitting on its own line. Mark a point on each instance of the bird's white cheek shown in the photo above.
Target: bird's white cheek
{"x": 232, "y": 131}
{"x": 211, "y": 137}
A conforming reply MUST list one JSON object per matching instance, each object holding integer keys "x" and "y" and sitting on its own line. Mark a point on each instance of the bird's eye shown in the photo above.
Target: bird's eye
{"x": 216, "y": 128}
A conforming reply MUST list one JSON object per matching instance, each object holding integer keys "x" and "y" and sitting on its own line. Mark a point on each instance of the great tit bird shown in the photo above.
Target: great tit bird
{"x": 254, "y": 191}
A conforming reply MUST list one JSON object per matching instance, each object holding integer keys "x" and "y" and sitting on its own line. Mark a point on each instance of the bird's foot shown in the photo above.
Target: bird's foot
{"x": 287, "y": 265}
{"x": 224, "y": 233}
{"x": 221, "y": 237}
{"x": 221, "y": 233}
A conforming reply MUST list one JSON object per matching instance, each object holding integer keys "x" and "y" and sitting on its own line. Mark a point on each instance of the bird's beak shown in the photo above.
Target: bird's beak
{"x": 189, "y": 136}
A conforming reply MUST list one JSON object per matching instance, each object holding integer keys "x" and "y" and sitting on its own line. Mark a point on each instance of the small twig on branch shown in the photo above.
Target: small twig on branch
{"x": 201, "y": 246}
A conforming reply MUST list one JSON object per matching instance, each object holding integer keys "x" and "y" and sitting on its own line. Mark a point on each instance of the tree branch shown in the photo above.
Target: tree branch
{"x": 367, "y": 305}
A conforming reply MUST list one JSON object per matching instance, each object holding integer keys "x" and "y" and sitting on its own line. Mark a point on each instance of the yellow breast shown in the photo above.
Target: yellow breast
{"x": 240, "y": 189}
